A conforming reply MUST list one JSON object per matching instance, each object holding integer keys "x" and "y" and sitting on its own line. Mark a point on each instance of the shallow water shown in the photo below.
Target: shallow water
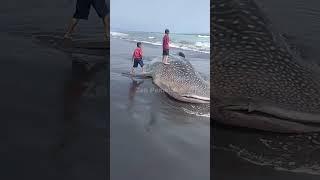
{"x": 267, "y": 155}
{"x": 194, "y": 42}
{"x": 152, "y": 135}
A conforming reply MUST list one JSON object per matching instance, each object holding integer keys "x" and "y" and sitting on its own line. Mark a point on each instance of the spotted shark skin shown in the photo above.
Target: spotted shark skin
{"x": 256, "y": 81}
{"x": 180, "y": 80}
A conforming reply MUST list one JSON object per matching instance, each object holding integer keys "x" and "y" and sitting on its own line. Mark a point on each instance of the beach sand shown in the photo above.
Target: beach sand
{"x": 52, "y": 126}
{"x": 151, "y": 136}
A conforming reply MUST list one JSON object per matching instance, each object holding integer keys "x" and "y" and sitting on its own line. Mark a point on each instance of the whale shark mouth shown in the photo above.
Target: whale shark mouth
{"x": 195, "y": 98}
{"x": 270, "y": 122}
{"x": 271, "y": 118}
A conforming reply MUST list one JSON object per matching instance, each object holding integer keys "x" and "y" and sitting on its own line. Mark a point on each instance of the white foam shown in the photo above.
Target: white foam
{"x": 118, "y": 34}
{"x": 196, "y": 113}
{"x": 203, "y": 47}
{"x": 203, "y": 36}
{"x": 153, "y": 43}
{"x": 147, "y": 42}
{"x": 203, "y": 44}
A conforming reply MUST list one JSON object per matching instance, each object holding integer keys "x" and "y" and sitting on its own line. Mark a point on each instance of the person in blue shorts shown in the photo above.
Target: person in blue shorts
{"x": 137, "y": 58}
{"x": 83, "y": 10}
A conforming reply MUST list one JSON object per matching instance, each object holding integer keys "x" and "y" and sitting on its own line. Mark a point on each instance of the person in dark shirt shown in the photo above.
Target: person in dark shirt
{"x": 137, "y": 58}
{"x": 83, "y": 10}
{"x": 165, "y": 46}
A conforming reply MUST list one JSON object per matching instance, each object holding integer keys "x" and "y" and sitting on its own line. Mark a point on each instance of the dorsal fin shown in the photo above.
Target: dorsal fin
{"x": 181, "y": 54}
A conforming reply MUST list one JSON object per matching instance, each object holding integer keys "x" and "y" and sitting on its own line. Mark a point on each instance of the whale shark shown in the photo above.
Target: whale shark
{"x": 257, "y": 81}
{"x": 180, "y": 80}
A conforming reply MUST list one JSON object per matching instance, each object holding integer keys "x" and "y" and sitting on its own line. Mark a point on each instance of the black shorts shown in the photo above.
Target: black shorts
{"x": 83, "y": 8}
{"x": 136, "y": 62}
{"x": 165, "y": 52}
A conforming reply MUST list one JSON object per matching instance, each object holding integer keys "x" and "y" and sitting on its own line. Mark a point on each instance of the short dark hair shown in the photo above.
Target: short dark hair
{"x": 138, "y": 44}
{"x": 166, "y": 31}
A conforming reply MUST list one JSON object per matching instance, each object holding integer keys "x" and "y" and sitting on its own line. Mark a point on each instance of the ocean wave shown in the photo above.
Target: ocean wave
{"x": 203, "y": 36}
{"x": 203, "y": 44}
{"x": 204, "y": 47}
{"x": 198, "y": 46}
{"x": 157, "y": 43}
{"x": 118, "y": 34}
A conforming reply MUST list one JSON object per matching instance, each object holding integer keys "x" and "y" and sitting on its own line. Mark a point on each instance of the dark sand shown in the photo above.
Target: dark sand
{"x": 245, "y": 154}
{"x": 151, "y": 136}
{"x": 39, "y": 105}
{"x": 53, "y": 118}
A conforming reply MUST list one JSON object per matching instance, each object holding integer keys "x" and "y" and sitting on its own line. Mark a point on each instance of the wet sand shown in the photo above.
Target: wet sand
{"x": 230, "y": 168}
{"x": 54, "y": 107}
{"x": 248, "y": 154}
{"x": 151, "y": 136}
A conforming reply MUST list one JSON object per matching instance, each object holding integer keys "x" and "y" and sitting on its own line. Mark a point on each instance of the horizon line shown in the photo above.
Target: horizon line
{"x": 158, "y": 31}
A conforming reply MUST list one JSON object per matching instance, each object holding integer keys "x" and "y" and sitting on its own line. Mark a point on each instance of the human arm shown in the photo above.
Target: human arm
{"x": 141, "y": 54}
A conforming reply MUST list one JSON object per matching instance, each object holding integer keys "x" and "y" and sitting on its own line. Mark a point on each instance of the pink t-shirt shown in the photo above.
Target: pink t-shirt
{"x": 166, "y": 41}
{"x": 137, "y": 54}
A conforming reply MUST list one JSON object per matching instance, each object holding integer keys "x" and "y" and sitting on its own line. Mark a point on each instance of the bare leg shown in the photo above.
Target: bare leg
{"x": 166, "y": 60}
{"x": 71, "y": 27}
{"x": 132, "y": 70}
{"x": 106, "y": 24}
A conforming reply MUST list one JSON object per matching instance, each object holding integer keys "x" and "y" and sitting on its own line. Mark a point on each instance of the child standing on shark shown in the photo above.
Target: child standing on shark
{"x": 137, "y": 58}
{"x": 165, "y": 46}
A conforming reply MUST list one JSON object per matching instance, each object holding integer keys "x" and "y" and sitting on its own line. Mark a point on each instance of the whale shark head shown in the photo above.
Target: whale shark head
{"x": 258, "y": 82}
{"x": 180, "y": 80}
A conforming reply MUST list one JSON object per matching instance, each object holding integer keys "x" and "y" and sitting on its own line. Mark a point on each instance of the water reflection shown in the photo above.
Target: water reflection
{"x": 133, "y": 90}
{"x": 81, "y": 84}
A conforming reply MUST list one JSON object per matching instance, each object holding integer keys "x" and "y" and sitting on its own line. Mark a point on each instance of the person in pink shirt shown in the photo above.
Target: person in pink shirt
{"x": 137, "y": 58}
{"x": 165, "y": 46}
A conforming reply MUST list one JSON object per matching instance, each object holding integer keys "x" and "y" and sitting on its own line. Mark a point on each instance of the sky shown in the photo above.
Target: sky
{"x": 179, "y": 16}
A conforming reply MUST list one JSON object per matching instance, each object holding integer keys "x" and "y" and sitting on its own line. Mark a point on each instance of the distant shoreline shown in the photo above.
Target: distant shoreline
{"x": 193, "y": 42}
{"x": 174, "y": 50}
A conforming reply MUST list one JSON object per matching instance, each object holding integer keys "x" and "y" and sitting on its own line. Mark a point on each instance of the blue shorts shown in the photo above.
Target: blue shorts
{"x": 165, "y": 52}
{"x": 136, "y": 62}
{"x": 83, "y": 8}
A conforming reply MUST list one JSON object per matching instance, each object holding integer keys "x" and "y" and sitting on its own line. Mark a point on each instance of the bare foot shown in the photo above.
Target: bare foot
{"x": 67, "y": 36}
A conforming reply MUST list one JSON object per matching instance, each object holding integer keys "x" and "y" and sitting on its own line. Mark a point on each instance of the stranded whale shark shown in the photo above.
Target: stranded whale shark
{"x": 257, "y": 82}
{"x": 180, "y": 80}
